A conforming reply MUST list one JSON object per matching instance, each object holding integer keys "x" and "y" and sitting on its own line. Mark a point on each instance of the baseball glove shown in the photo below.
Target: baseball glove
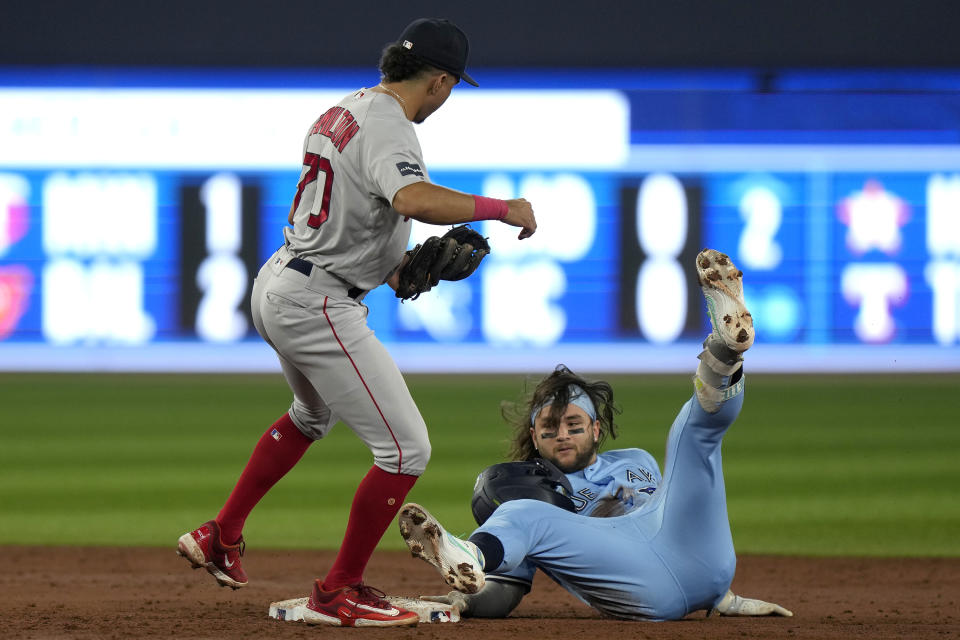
{"x": 452, "y": 257}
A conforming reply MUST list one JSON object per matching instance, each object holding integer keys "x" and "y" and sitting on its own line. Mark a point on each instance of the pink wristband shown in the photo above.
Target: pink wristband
{"x": 489, "y": 208}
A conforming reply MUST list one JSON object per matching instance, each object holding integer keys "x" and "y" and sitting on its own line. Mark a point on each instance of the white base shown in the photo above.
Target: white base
{"x": 292, "y": 610}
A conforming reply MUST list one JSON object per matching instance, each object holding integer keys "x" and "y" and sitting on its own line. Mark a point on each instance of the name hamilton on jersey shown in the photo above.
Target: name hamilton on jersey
{"x": 339, "y": 125}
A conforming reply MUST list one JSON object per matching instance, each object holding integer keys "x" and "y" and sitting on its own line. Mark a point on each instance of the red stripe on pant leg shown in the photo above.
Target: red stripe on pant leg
{"x": 369, "y": 393}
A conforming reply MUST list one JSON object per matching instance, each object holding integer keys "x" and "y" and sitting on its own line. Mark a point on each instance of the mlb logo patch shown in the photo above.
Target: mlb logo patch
{"x": 276, "y": 435}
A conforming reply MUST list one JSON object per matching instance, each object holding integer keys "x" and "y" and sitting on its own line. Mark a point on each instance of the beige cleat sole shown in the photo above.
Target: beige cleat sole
{"x": 451, "y": 556}
{"x": 722, "y": 286}
{"x": 188, "y": 548}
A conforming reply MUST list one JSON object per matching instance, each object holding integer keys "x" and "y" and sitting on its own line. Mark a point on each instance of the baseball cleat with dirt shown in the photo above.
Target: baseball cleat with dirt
{"x": 202, "y": 548}
{"x": 356, "y": 605}
{"x": 722, "y": 286}
{"x": 459, "y": 562}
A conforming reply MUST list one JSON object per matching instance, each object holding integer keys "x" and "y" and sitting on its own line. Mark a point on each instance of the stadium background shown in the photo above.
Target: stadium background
{"x": 116, "y": 434}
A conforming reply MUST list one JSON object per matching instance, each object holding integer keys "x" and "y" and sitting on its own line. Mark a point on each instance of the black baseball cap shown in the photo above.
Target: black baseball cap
{"x": 440, "y": 43}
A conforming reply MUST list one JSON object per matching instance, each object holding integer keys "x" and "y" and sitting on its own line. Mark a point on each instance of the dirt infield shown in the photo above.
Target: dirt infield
{"x": 111, "y": 593}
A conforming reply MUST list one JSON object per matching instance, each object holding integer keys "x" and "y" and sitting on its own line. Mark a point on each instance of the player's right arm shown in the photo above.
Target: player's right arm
{"x": 394, "y": 165}
{"x": 434, "y": 204}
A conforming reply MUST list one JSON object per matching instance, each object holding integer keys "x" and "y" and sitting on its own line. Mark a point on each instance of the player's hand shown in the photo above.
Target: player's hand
{"x": 734, "y": 605}
{"x": 394, "y": 280}
{"x": 520, "y": 214}
{"x": 454, "y": 598}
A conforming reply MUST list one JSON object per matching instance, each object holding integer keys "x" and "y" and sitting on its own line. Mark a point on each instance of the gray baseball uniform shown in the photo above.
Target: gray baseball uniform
{"x": 360, "y": 157}
{"x": 346, "y": 239}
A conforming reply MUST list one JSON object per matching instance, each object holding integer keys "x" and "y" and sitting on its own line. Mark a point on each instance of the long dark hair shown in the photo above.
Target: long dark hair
{"x": 557, "y": 385}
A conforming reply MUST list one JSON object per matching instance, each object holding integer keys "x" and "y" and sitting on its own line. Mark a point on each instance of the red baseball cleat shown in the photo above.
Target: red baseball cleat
{"x": 356, "y": 605}
{"x": 202, "y": 547}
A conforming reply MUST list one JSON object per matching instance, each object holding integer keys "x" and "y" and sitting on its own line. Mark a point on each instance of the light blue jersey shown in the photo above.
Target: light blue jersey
{"x": 669, "y": 555}
{"x": 629, "y": 476}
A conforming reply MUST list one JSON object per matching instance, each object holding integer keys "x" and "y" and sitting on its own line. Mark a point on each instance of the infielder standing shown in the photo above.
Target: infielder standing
{"x": 656, "y": 548}
{"x": 363, "y": 180}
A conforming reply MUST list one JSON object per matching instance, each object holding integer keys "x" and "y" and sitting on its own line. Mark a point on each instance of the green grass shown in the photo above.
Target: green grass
{"x": 851, "y": 465}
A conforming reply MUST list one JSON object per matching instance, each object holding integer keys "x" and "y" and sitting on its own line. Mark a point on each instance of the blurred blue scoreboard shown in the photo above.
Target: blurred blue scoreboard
{"x": 136, "y": 208}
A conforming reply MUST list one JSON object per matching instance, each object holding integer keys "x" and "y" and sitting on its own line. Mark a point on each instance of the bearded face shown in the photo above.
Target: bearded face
{"x": 570, "y": 444}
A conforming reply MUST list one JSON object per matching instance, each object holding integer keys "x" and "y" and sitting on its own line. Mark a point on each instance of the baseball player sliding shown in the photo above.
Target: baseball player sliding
{"x": 363, "y": 180}
{"x": 656, "y": 548}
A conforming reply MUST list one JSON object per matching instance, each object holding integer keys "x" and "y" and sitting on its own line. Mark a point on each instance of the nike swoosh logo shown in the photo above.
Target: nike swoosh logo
{"x": 392, "y": 611}
{"x": 227, "y": 563}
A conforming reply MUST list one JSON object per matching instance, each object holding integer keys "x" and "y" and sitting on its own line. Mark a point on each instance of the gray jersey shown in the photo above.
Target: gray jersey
{"x": 357, "y": 155}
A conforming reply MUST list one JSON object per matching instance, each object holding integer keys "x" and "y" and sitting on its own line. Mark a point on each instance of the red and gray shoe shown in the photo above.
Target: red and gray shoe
{"x": 202, "y": 547}
{"x": 355, "y": 606}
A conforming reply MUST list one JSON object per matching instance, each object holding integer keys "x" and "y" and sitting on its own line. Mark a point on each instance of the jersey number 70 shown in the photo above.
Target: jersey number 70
{"x": 315, "y": 164}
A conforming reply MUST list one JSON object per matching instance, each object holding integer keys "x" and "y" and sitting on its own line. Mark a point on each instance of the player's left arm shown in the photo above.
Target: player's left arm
{"x": 394, "y": 280}
{"x": 496, "y": 600}
{"x": 734, "y": 605}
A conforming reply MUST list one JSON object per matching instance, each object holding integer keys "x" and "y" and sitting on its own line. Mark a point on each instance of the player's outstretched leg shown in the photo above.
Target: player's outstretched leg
{"x": 460, "y": 562}
{"x": 719, "y": 374}
{"x": 203, "y": 548}
{"x": 722, "y": 286}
